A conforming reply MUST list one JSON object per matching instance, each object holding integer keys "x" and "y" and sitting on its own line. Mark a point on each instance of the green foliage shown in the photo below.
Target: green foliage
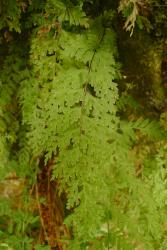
{"x": 10, "y": 12}
{"x": 59, "y": 100}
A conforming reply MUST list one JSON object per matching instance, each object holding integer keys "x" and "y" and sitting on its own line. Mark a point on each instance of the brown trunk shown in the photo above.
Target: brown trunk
{"x": 51, "y": 209}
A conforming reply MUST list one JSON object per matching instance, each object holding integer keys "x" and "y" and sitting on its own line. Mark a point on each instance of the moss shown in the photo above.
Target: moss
{"x": 141, "y": 58}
